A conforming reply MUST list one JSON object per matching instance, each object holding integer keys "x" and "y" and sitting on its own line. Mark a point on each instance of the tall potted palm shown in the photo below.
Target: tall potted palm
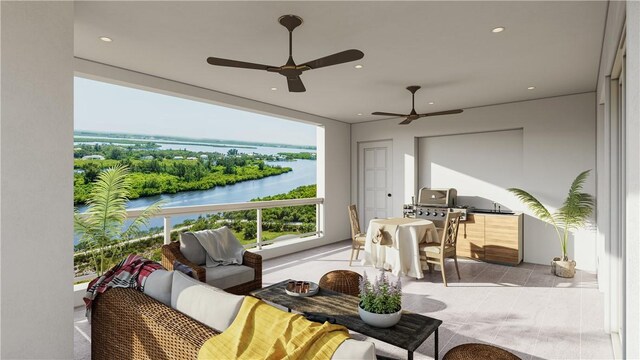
{"x": 102, "y": 228}
{"x": 574, "y": 214}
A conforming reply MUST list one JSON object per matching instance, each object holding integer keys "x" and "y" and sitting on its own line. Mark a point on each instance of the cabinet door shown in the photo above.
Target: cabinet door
{"x": 501, "y": 239}
{"x": 470, "y": 241}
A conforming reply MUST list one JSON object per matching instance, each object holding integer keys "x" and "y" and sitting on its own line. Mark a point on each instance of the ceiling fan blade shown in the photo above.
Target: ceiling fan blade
{"x": 388, "y": 114}
{"x": 237, "y": 64}
{"x": 295, "y": 84}
{"x": 448, "y": 112}
{"x": 406, "y": 121}
{"x": 337, "y": 58}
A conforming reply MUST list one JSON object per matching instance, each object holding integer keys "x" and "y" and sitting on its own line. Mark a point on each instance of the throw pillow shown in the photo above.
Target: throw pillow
{"x": 178, "y": 266}
{"x": 191, "y": 249}
{"x": 205, "y": 303}
{"x": 158, "y": 286}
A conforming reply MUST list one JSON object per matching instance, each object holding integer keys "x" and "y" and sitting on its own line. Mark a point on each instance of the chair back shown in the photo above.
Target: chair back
{"x": 450, "y": 233}
{"x": 355, "y": 222}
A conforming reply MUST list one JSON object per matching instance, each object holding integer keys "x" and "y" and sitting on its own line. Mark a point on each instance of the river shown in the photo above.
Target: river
{"x": 304, "y": 173}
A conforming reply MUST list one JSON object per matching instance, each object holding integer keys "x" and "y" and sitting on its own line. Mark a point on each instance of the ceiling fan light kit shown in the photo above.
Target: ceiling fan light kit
{"x": 290, "y": 69}
{"x": 413, "y": 115}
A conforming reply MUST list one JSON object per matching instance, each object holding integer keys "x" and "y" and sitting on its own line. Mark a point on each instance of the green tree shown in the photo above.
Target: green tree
{"x": 249, "y": 230}
{"x": 102, "y": 229}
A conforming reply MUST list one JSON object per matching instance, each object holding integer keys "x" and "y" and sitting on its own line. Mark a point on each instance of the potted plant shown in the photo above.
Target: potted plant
{"x": 380, "y": 301}
{"x": 574, "y": 214}
{"x": 102, "y": 228}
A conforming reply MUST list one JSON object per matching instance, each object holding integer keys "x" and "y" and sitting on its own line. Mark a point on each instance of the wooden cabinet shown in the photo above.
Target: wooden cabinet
{"x": 470, "y": 241}
{"x": 494, "y": 238}
{"x": 503, "y": 239}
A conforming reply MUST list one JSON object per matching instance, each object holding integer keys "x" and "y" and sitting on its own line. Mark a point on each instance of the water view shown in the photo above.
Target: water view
{"x": 303, "y": 173}
{"x": 141, "y": 147}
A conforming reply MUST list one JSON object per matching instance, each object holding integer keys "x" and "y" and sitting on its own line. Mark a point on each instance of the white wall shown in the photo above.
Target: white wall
{"x": 36, "y": 177}
{"x": 333, "y": 142}
{"x": 558, "y": 143}
{"x": 464, "y": 162}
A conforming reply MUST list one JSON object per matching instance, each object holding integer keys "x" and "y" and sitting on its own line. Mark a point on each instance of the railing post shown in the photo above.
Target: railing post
{"x": 319, "y": 210}
{"x": 259, "y": 228}
{"x": 167, "y": 229}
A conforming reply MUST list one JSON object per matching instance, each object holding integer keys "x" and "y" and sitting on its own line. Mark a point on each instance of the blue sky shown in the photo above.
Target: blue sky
{"x": 105, "y": 107}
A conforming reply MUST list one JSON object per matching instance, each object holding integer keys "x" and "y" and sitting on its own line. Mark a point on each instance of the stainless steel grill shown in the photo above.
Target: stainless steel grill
{"x": 437, "y": 197}
{"x": 434, "y": 204}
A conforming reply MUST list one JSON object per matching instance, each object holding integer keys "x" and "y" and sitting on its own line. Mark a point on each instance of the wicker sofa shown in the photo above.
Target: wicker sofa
{"x": 171, "y": 253}
{"x": 129, "y": 324}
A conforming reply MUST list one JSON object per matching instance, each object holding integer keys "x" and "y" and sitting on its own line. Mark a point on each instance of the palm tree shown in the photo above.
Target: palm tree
{"x": 101, "y": 228}
{"x": 573, "y": 214}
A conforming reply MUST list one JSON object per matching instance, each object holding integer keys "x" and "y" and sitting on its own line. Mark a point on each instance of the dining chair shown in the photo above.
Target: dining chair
{"x": 357, "y": 236}
{"x": 435, "y": 253}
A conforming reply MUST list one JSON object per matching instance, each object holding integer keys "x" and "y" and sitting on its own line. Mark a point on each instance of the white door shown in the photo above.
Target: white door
{"x": 374, "y": 181}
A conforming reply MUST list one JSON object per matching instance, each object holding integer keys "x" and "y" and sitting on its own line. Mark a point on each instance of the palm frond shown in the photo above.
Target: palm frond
{"x": 142, "y": 220}
{"x": 533, "y": 204}
{"x": 101, "y": 227}
{"x": 578, "y": 206}
{"x": 108, "y": 200}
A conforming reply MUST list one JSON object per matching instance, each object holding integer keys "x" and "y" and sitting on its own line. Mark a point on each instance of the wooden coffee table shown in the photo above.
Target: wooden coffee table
{"x": 412, "y": 330}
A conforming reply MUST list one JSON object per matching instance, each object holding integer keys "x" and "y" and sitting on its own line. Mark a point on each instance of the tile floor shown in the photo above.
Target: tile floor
{"x": 523, "y": 309}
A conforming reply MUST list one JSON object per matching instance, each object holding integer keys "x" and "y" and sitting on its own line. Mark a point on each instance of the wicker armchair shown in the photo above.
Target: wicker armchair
{"x": 171, "y": 253}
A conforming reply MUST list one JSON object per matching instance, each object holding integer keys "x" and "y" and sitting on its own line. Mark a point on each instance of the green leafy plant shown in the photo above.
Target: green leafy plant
{"x": 381, "y": 296}
{"x": 102, "y": 228}
{"x": 574, "y": 213}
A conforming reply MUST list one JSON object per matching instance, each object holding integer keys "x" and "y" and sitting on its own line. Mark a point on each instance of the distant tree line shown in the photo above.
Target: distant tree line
{"x": 155, "y": 172}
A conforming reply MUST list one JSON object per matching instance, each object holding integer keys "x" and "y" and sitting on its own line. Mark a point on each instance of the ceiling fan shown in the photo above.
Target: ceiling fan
{"x": 413, "y": 115}
{"x": 290, "y": 70}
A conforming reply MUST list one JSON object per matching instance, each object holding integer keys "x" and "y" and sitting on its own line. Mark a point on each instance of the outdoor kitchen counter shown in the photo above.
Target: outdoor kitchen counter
{"x": 492, "y": 237}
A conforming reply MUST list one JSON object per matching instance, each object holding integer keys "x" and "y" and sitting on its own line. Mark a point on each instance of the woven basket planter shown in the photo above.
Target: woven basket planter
{"x": 565, "y": 269}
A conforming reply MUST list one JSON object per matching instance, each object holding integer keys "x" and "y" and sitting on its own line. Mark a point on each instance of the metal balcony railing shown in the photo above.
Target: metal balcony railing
{"x": 258, "y": 206}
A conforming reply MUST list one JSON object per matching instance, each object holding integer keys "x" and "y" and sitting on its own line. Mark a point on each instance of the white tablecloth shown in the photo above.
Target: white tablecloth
{"x": 400, "y": 252}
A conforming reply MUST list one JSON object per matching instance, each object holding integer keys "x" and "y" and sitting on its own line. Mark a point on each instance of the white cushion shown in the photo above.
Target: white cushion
{"x": 207, "y": 304}
{"x": 351, "y": 349}
{"x": 226, "y": 276}
{"x": 158, "y": 286}
{"x": 191, "y": 249}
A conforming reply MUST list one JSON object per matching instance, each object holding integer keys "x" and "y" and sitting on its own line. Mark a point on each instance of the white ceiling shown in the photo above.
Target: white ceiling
{"x": 446, "y": 47}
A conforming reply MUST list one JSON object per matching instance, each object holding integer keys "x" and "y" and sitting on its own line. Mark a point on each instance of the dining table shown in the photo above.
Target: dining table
{"x": 394, "y": 244}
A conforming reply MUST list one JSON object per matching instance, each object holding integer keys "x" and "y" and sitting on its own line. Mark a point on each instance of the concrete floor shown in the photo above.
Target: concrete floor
{"x": 523, "y": 309}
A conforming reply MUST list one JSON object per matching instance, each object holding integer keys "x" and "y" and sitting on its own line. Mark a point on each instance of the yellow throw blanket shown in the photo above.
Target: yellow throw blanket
{"x": 260, "y": 331}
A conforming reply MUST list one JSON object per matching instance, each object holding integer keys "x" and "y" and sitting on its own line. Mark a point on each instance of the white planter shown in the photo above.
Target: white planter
{"x": 379, "y": 320}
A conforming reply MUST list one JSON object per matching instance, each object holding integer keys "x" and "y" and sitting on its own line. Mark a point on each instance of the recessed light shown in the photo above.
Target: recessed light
{"x": 431, "y": 103}
{"x": 359, "y": 114}
{"x": 498, "y": 29}
{"x": 358, "y": 66}
{"x": 274, "y": 88}
{"x": 531, "y": 88}
{"x": 106, "y": 39}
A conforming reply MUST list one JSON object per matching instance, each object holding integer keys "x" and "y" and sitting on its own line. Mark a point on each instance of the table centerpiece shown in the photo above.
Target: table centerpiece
{"x": 380, "y": 301}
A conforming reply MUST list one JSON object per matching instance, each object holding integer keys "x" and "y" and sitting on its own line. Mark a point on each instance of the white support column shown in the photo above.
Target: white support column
{"x": 632, "y": 132}
{"x": 259, "y": 228}
{"x": 167, "y": 229}
{"x": 36, "y": 177}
